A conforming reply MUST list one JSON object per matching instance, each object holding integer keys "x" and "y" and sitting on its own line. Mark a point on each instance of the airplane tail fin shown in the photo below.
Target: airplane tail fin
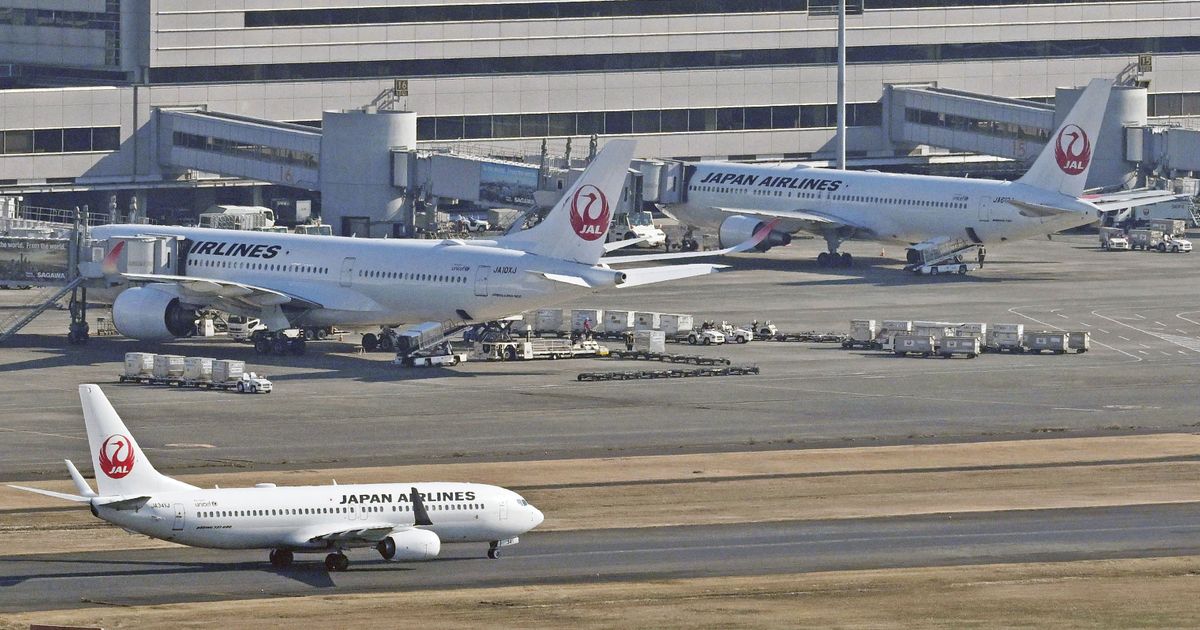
{"x": 1063, "y": 165}
{"x": 121, "y": 466}
{"x": 576, "y": 226}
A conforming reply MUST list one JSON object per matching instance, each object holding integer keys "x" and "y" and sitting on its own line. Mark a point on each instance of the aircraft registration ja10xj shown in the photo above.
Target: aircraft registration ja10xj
{"x": 403, "y": 522}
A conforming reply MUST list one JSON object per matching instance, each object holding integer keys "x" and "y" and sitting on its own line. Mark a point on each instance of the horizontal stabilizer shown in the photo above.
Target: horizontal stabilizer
{"x": 565, "y": 279}
{"x": 50, "y": 493}
{"x": 80, "y": 485}
{"x": 652, "y": 275}
{"x": 123, "y": 503}
{"x": 629, "y": 242}
{"x": 1119, "y": 201}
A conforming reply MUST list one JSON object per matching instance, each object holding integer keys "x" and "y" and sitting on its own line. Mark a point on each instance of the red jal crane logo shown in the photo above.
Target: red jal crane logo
{"x": 1072, "y": 150}
{"x": 589, "y": 213}
{"x": 116, "y": 456}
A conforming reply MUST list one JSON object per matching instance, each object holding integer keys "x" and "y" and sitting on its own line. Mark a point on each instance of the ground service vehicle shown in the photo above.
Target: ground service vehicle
{"x": 1113, "y": 239}
{"x": 862, "y": 335}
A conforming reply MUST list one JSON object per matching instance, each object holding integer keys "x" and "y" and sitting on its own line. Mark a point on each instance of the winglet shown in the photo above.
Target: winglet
{"x": 420, "y": 515}
{"x": 80, "y": 483}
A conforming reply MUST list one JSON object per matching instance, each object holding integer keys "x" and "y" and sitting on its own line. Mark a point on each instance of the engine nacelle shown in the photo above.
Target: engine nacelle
{"x": 149, "y": 314}
{"x": 738, "y": 229}
{"x": 410, "y": 545}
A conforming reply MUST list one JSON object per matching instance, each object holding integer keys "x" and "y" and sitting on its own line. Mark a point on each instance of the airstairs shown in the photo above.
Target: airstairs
{"x": 42, "y": 301}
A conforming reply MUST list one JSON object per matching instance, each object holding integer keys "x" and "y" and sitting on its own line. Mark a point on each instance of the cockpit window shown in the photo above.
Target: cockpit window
{"x": 522, "y": 502}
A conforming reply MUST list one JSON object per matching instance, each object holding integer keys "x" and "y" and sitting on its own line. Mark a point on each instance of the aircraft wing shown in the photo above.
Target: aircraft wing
{"x": 209, "y": 291}
{"x": 365, "y": 534}
{"x": 615, "y": 245}
{"x": 814, "y": 221}
{"x": 651, "y": 275}
{"x": 1131, "y": 199}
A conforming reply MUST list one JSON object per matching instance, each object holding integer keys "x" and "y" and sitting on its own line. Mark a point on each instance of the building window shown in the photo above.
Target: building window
{"x": 72, "y": 140}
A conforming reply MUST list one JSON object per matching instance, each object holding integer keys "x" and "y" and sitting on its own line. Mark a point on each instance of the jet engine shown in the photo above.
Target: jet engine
{"x": 410, "y": 545}
{"x": 737, "y": 229}
{"x": 150, "y": 314}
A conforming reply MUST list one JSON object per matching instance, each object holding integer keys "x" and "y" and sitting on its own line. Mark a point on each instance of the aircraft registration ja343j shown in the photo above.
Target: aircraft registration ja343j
{"x": 402, "y": 521}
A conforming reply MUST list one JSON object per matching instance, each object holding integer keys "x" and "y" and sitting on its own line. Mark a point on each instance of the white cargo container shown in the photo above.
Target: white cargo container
{"x": 978, "y": 330}
{"x": 168, "y": 366}
{"x": 138, "y": 365}
{"x": 594, "y": 318}
{"x": 617, "y": 322}
{"x": 1046, "y": 341}
{"x": 902, "y": 345}
{"x": 967, "y": 345}
{"x": 673, "y": 323}
{"x": 1169, "y": 227}
{"x": 1005, "y": 337}
{"x": 862, "y": 334}
{"x": 197, "y": 369}
{"x": 226, "y": 371}
{"x": 650, "y": 341}
{"x": 1079, "y": 340}
{"x": 549, "y": 320}
{"x": 893, "y": 326}
{"x": 647, "y": 321}
{"x": 937, "y": 330}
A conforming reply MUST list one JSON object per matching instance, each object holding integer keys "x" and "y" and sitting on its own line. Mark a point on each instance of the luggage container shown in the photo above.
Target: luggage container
{"x": 967, "y": 345}
{"x": 549, "y": 320}
{"x": 227, "y": 371}
{"x": 168, "y": 366}
{"x": 650, "y": 341}
{"x": 1079, "y": 340}
{"x": 1045, "y": 341}
{"x": 978, "y": 330}
{"x": 617, "y": 322}
{"x": 903, "y": 345}
{"x": 862, "y": 335}
{"x": 1169, "y": 227}
{"x": 1002, "y": 337}
{"x": 197, "y": 369}
{"x": 672, "y": 323}
{"x": 937, "y": 330}
{"x": 138, "y": 365}
{"x": 594, "y": 318}
{"x": 647, "y": 321}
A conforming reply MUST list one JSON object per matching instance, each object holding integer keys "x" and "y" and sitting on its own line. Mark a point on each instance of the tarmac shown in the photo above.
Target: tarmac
{"x": 335, "y": 408}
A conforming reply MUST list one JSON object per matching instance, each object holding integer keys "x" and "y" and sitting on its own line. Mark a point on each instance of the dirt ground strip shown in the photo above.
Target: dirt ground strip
{"x": 734, "y": 487}
{"x": 1158, "y": 592}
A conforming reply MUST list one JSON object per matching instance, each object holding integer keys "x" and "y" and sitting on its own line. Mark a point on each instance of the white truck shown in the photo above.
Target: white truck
{"x": 1113, "y": 239}
{"x": 637, "y": 224}
{"x": 243, "y": 328}
{"x": 736, "y": 334}
{"x": 1175, "y": 245}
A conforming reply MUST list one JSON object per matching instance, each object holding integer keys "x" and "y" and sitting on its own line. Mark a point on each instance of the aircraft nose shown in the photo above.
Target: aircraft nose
{"x": 536, "y": 517}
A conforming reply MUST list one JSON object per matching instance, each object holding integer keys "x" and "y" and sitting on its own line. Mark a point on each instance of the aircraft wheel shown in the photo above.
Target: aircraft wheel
{"x": 847, "y": 260}
{"x": 281, "y": 558}
{"x": 370, "y": 342}
{"x": 494, "y": 553}
{"x": 823, "y": 259}
{"x": 336, "y": 562}
{"x": 386, "y": 343}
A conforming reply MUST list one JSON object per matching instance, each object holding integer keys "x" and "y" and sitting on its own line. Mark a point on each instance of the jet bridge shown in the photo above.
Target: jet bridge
{"x": 240, "y": 146}
{"x": 966, "y": 121}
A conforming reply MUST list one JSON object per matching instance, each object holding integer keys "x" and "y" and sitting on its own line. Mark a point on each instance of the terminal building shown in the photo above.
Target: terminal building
{"x": 153, "y": 107}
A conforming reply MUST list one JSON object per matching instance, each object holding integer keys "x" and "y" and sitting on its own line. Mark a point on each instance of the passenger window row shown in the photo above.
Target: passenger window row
{"x": 331, "y": 510}
{"x": 257, "y": 266}
{"x": 414, "y": 277}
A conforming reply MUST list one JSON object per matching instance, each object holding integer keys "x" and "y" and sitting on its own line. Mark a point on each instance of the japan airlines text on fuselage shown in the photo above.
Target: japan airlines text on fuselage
{"x": 894, "y": 207}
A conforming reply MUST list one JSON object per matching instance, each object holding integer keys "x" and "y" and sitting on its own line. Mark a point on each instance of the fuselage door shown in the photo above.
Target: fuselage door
{"x": 985, "y": 208}
{"x": 347, "y": 272}
{"x": 481, "y": 280}
{"x": 503, "y": 510}
{"x": 179, "y": 513}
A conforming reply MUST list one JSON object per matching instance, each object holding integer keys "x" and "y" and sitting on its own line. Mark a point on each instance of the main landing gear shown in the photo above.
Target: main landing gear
{"x": 834, "y": 259}
{"x": 336, "y": 562}
{"x": 278, "y": 343}
{"x": 281, "y": 558}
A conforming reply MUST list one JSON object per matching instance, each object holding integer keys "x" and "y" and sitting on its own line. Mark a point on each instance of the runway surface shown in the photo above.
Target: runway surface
{"x": 53, "y": 581}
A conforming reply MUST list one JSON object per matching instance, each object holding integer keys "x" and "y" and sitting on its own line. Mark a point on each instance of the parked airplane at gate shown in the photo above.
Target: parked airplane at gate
{"x": 402, "y": 521}
{"x": 294, "y": 281}
{"x": 914, "y": 210}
